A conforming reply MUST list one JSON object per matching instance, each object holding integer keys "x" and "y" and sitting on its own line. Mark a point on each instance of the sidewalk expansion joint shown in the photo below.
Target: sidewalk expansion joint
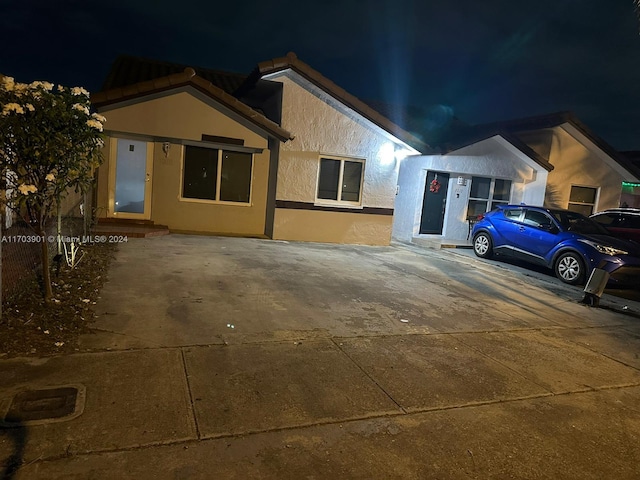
{"x": 390, "y": 415}
{"x": 192, "y": 405}
{"x": 368, "y": 375}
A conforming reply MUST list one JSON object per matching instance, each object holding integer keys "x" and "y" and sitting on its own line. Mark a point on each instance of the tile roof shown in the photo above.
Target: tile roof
{"x": 128, "y": 70}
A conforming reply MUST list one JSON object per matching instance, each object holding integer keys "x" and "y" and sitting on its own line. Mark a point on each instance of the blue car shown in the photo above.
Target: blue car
{"x": 565, "y": 241}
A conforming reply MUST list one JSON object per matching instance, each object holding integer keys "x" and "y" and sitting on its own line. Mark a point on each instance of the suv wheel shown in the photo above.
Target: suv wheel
{"x": 482, "y": 245}
{"x": 570, "y": 269}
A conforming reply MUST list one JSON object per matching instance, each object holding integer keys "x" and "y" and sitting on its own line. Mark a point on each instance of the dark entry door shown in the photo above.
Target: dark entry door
{"x": 435, "y": 199}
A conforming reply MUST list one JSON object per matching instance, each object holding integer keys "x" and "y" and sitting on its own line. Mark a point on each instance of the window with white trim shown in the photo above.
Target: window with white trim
{"x": 582, "y": 199}
{"x": 486, "y": 193}
{"x": 340, "y": 180}
{"x": 216, "y": 175}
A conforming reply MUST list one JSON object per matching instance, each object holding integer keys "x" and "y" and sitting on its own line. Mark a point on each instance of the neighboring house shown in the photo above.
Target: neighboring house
{"x": 282, "y": 153}
{"x": 552, "y": 160}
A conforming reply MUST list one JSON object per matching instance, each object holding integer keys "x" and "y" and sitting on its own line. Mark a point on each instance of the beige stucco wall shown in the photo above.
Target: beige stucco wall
{"x": 578, "y": 162}
{"x": 332, "y": 227}
{"x": 182, "y": 116}
{"x": 322, "y": 126}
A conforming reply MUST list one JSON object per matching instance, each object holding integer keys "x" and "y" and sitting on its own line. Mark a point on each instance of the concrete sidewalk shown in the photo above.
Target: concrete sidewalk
{"x": 239, "y": 358}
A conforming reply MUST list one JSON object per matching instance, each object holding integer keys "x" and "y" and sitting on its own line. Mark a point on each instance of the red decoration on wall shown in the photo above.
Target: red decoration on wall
{"x": 434, "y": 186}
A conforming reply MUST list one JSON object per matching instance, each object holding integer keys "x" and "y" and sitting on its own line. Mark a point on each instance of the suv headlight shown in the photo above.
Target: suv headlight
{"x": 606, "y": 249}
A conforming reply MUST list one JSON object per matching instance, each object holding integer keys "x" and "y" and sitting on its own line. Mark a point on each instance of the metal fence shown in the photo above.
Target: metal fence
{"x": 21, "y": 259}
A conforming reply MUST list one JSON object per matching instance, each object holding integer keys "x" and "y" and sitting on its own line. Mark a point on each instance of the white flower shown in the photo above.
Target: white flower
{"x": 59, "y": 344}
{"x": 30, "y": 107}
{"x": 50, "y": 177}
{"x": 95, "y": 124}
{"x": 61, "y": 88}
{"x": 20, "y": 88}
{"x": 12, "y": 107}
{"x": 8, "y": 83}
{"x": 80, "y": 108}
{"x": 98, "y": 117}
{"x": 79, "y": 91}
{"x": 27, "y": 189}
{"x": 46, "y": 332}
{"x": 44, "y": 85}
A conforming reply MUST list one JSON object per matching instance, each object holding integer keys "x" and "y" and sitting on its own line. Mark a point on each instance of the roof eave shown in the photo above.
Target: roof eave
{"x": 291, "y": 61}
{"x": 189, "y": 78}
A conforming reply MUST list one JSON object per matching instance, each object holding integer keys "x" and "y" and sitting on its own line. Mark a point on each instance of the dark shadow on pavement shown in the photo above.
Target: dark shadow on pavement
{"x": 17, "y": 435}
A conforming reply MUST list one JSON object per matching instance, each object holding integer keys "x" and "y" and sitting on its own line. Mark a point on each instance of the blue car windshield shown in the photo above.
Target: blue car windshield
{"x": 574, "y": 222}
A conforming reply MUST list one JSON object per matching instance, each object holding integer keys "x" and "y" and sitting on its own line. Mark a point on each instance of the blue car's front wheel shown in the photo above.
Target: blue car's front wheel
{"x": 482, "y": 245}
{"x": 570, "y": 268}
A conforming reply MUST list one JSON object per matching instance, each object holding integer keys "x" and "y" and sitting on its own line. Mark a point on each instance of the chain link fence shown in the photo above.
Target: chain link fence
{"x": 21, "y": 259}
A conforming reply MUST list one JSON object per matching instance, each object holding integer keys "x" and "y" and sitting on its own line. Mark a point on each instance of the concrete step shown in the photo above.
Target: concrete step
{"x": 129, "y": 228}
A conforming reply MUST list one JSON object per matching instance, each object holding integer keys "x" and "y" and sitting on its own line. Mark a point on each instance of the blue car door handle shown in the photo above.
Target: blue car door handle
{"x": 521, "y": 228}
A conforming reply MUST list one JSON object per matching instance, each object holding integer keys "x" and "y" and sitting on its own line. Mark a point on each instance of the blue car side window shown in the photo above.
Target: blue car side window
{"x": 537, "y": 219}
{"x": 513, "y": 213}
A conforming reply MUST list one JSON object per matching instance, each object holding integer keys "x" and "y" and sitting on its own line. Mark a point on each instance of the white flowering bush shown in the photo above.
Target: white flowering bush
{"x": 50, "y": 144}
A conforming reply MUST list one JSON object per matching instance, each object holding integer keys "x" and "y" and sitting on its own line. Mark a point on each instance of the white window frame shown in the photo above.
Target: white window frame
{"x": 595, "y": 197}
{"x": 217, "y": 201}
{"x": 329, "y": 202}
{"x": 490, "y": 200}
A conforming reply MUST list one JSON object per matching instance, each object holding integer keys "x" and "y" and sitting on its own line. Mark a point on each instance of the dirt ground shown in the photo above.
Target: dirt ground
{"x": 29, "y": 326}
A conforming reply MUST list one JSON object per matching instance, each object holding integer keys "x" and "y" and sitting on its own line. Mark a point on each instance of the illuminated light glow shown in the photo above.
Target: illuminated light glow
{"x": 386, "y": 154}
{"x": 630, "y": 184}
{"x": 402, "y": 154}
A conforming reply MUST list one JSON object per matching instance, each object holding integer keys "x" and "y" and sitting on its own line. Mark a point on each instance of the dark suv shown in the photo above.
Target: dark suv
{"x": 621, "y": 222}
{"x": 565, "y": 241}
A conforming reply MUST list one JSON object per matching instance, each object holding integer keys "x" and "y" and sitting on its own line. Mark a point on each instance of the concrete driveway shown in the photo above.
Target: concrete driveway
{"x": 241, "y": 358}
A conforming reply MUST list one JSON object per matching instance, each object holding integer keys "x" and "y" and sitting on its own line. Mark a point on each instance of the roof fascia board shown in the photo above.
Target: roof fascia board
{"x": 336, "y": 103}
{"x": 518, "y": 145}
{"x": 573, "y": 125}
{"x": 291, "y": 62}
{"x": 195, "y": 93}
{"x": 143, "y": 91}
{"x": 533, "y": 165}
{"x": 585, "y": 139}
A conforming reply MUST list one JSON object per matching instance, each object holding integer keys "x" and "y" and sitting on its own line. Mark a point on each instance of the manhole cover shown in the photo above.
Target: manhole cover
{"x": 46, "y": 405}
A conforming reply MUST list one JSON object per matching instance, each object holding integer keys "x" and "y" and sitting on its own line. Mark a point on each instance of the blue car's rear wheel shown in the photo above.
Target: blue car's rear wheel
{"x": 482, "y": 245}
{"x": 570, "y": 268}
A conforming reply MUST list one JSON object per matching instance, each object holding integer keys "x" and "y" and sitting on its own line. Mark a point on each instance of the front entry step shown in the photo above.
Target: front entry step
{"x": 129, "y": 228}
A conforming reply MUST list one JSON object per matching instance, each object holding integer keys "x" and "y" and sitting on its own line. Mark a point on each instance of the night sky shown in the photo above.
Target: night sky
{"x": 480, "y": 61}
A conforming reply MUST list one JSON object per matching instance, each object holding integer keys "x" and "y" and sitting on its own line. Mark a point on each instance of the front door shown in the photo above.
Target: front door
{"x": 435, "y": 200}
{"x": 131, "y": 163}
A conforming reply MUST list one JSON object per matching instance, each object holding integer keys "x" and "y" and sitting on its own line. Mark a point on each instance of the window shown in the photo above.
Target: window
{"x": 537, "y": 219}
{"x": 582, "y": 200}
{"x": 340, "y": 180}
{"x": 486, "y": 193}
{"x": 217, "y": 175}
